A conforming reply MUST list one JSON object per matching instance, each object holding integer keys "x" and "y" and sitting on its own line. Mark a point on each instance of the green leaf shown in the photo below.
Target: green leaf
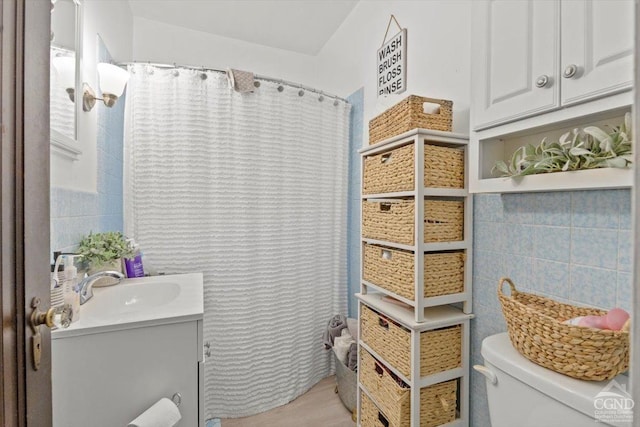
{"x": 501, "y": 167}
{"x": 617, "y": 162}
{"x": 564, "y": 139}
{"x": 530, "y": 170}
{"x": 575, "y": 151}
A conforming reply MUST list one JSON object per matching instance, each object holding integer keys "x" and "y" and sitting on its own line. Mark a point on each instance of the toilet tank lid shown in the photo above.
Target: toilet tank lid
{"x": 577, "y": 394}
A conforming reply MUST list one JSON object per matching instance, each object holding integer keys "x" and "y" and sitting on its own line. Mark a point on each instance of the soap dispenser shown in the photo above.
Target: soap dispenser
{"x": 70, "y": 286}
{"x": 57, "y": 279}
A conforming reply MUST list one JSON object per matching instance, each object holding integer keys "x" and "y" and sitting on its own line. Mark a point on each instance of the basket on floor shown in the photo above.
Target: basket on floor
{"x": 537, "y": 331}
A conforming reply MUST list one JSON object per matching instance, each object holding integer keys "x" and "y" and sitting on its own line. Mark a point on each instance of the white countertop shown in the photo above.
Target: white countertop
{"x": 183, "y": 302}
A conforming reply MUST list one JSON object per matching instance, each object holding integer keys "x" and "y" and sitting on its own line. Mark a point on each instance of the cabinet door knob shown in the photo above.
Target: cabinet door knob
{"x": 570, "y": 71}
{"x": 542, "y": 81}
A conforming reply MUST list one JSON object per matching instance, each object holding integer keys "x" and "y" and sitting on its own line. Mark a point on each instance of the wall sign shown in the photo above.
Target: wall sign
{"x": 392, "y": 62}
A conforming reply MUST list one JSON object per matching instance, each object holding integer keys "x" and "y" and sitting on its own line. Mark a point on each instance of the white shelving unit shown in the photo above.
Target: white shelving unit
{"x": 424, "y": 314}
{"x": 439, "y": 317}
{"x": 418, "y": 137}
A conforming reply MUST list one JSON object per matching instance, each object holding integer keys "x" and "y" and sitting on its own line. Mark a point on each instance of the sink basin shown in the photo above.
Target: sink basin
{"x": 131, "y": 298}
{"x": 139, "y": 302}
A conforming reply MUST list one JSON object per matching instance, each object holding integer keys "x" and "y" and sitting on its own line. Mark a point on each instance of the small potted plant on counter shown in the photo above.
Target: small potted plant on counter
{"x": 104, "y": 252}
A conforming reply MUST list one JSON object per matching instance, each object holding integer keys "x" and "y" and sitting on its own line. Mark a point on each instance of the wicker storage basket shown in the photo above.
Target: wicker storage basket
{"x": 437, "y": 402}
{"x": 371, "y": 416}
{"x": 409, "y": 114}
{"x": 393, "y": 221}
{"x": 394, "y": 170}
{"x": 394, "y": 269}
{"x": 537, "y": 332}
{"x": 440, "y": 349}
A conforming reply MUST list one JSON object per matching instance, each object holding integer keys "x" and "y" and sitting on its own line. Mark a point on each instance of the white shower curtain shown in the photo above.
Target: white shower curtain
{"x": 251, "y": 190}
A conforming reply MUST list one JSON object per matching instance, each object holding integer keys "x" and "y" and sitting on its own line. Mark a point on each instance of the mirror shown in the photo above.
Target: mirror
{"x": 66, "y": 76}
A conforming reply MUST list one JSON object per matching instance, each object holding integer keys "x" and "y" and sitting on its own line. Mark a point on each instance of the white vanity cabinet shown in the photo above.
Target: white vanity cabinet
{"x": 531, "y": 57}
{"x": 108, "y": 379}
{"x": 134, "y": 344}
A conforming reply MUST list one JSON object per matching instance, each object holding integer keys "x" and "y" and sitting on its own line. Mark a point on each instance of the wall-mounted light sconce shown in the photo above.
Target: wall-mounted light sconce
{"x": 113, "y": 80}
{"x": 66, "y": 69}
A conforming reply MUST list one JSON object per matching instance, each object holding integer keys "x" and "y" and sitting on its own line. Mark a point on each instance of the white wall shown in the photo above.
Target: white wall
{"x": 114, "y": 22}
{"x": 155, "y": 41}
{"x": 438, "y": 53}
{"x": 438, "y": 60}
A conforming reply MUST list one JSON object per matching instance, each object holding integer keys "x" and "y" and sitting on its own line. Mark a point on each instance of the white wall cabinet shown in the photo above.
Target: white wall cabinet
{"x": 531, "y": 57}
{"x": 597, "y": 44}
{"x": 515, "y": 58}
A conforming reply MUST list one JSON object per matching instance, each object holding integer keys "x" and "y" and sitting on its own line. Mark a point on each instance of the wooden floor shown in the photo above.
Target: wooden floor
{"x": 319, "y": 407}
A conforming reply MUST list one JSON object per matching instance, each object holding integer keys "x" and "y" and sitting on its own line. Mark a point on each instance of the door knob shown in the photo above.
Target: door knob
{"x": 570, "y": 71}
{"x": 542, "y": 81}
{"x": 59, "y": 316}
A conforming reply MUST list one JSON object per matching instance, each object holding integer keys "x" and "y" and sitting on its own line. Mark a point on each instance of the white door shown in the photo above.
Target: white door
{"x": 597, "y": 48}
{"x": 515, "y": 52}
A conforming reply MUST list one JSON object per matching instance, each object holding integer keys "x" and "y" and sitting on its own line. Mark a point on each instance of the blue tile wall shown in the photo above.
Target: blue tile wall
{"x": 76, "y": 213}
{"x": 353, "y": 223}
{"x": 571, "y": 246}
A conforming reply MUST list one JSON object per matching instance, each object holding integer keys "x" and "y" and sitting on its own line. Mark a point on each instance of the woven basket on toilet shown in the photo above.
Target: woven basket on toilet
{"x": 537, "y": 332}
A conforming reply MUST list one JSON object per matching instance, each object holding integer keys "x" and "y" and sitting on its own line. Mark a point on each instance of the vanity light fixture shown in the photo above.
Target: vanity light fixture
{"x": 113, "y": 80}
{"x": 65, "y": 67}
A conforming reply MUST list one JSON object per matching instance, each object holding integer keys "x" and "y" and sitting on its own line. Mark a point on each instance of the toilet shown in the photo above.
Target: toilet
{"x": 523, "y": 394}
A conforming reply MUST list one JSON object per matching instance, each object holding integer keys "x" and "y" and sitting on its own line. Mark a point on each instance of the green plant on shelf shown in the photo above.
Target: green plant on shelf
{"x": 587, "y": 148}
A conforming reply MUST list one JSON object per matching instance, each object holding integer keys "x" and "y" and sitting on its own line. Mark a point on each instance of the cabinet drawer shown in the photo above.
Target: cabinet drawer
{"x": 440, "y": 349}
{"x": 394, "y": 170}
{"x": 438, "y": 402}
{"x": 394, "y": 270}
{"x": 393, "y": 220}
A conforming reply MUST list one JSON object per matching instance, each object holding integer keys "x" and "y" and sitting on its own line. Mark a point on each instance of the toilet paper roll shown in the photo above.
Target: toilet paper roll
{"x": 163, "y": 413}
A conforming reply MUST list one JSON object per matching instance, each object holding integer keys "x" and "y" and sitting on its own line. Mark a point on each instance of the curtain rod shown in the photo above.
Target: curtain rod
{"x": 258, "y": 77}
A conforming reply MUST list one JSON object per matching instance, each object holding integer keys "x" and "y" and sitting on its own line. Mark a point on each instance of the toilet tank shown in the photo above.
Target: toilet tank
{"x": 521, "y": 393}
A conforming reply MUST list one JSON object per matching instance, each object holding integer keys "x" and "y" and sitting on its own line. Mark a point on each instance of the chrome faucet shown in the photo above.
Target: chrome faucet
{"x": 86, "y": 284}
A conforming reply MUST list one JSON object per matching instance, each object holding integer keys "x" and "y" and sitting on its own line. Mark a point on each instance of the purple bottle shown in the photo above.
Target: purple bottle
{"x": 133, "y": 266}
